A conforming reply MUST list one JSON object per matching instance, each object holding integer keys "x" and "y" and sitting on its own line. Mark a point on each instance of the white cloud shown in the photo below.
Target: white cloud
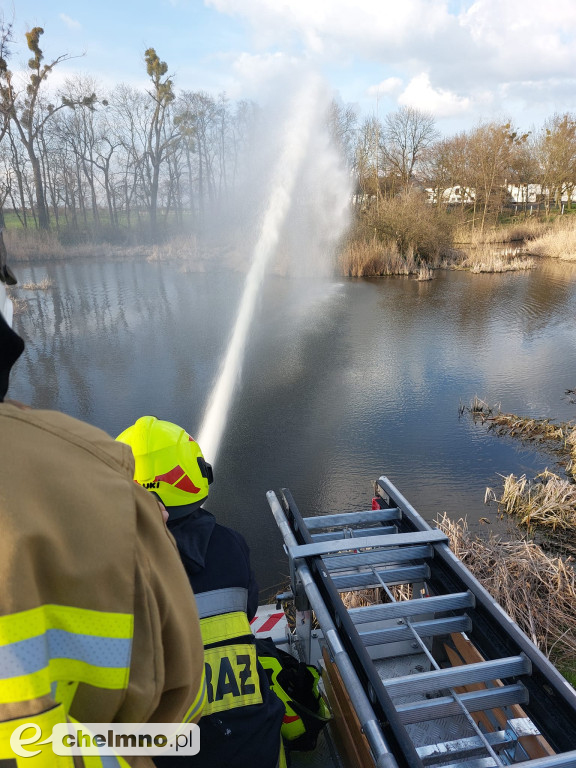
{"x": 390, "y": 85}
{"x": 476, "y": 53}
{"x": 70, "y": 23}
{"x": 420, "y": 93}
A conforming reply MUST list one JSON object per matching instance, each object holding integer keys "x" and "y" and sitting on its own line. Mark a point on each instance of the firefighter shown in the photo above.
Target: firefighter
{"x": 240, "y": 727}
{"x": 97, "y": 618}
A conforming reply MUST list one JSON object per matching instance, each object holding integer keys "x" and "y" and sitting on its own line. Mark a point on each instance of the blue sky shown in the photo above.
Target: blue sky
{"x": 462, "y": 60}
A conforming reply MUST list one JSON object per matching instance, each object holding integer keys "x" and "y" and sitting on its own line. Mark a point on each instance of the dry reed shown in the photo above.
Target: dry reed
{"x": 559, "y": 437}
{"x": 425, "y": 273}
{"x": 43, "y": 285}
{"x": 559, "y": 242}
{"x": 373, "y": 258}
{"x": 486, "y": 259}
{"x": 548, "y": 501}
{"x": 518, "y": 231}
{"x": 536, "y": 590}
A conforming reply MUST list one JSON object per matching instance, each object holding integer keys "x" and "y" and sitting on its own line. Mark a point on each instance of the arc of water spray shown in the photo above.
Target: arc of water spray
{"x": 297, "y": 133}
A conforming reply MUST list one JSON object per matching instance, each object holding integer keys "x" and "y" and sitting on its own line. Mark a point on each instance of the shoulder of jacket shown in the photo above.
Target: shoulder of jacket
{"x": 56, "y": 426}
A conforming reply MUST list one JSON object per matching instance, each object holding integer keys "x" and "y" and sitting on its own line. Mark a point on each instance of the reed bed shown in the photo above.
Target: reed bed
{"x": 547, "y": 502}
{"x": 373, "y": 258}
{"x": 559, "y": 242}
{"x": 425, "y": 273}
{"x": 43, "y": 285}
{"x": 518, "y": 231}
{"x": 486, "y": 259}
{"x": 560, "y": 437}
{"x": 536, "y": 590}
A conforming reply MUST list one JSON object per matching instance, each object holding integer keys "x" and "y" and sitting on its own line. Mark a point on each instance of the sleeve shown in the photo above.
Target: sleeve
{"x": 253, "y": 589}
{"x": 167, "y": 667}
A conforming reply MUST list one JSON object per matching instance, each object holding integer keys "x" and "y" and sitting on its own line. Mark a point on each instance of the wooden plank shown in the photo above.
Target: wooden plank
{"x": 535, "y": 746}
{"x": 345, "y": 728}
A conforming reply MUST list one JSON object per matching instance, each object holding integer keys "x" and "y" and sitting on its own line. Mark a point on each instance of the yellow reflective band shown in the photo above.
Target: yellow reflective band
{"x": 55, "y": 643}
{"x": 25, "y": 624}
{"x": 225, "y": 626}
{"x": 39, "y": 683}
{"x": 231, "y": 677}
{"x": 39, "y": 729}
{"x": 199, "y": 702}
{"x": 105, "y": 761}
{"x": 65, "y": 692}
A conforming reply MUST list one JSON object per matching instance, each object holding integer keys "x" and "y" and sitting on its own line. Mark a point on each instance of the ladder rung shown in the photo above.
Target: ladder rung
{"x": 352, "y": 518}
{"x": 407, "y": 575}
{"x": 422, "y": 628}
{"x": 404, "y": 608}
{"x": 345, "y": 545}
{"x": 446, "y": 706}
{"x": 356, "y": 533}
{"x": 480, "y": 672}
{"x": 378, "y": 557}
{"x": 464, "y": 748}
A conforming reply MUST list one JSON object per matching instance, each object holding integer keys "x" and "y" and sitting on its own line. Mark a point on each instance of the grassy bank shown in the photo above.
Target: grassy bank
{"x": 398, "y": 236}
{"x": 404, "y": 235}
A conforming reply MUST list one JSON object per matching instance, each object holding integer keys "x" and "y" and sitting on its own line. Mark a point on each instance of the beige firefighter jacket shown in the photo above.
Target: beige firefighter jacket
{"x": 82, "y": 542}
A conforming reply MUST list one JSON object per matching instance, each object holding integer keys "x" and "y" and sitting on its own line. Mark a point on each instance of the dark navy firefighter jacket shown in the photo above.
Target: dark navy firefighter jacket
{"x": 217, "y": 557}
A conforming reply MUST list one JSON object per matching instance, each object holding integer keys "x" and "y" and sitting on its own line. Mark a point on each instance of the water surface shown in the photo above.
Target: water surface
{"x": 342, "y": 382}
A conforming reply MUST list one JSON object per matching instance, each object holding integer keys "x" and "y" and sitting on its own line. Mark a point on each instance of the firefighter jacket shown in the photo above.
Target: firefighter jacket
{"x": 240, "y": 727}
{"x": 97, "y": 619}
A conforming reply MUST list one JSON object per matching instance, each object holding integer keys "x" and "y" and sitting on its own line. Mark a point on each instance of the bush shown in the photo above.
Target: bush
{"x": 414, "y": 225}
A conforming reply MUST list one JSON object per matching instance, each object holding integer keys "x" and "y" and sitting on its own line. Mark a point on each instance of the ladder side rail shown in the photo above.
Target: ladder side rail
{"x": 497, "y": 636}
{"x": 565, "y": 760}
{"x": 382, "y": 753}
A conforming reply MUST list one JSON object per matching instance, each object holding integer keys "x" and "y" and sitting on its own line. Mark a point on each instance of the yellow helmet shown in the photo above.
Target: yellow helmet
{"x": 168, "y": 462}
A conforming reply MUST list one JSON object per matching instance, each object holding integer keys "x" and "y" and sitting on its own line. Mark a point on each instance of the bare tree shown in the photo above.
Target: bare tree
{"x": 407, "y": 134}
{"x": 162, "y": 134}
{"x": 554, "y": 148}
{"x": 30, "y": 112}
{"x": 491, "y": 155}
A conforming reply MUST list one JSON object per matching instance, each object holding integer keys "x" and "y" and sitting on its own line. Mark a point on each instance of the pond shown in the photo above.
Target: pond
{"x": 342, "y": 381}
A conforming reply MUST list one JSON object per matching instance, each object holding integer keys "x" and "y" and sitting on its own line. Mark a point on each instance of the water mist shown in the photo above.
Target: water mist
{"x": 297, "y": 157}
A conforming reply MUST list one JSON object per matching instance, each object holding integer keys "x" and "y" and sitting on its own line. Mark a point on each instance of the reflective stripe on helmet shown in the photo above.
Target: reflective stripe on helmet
{"x": 54, "y": 642}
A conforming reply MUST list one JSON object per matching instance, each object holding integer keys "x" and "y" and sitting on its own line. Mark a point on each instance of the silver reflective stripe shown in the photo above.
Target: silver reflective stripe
{"x": 110, "y": 761}
{"x": 25, "y": 657}
{"x": 218, "y": 601}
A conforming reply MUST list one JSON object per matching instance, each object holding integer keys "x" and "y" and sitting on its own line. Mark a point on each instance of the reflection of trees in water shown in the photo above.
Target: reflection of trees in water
{"x": 77, "y": 331}
{"x": 475, "y": 307}
{"x": 149, "y": 335}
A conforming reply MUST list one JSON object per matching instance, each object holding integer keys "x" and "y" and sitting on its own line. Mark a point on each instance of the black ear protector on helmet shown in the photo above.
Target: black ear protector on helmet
{"x": 206, "y": 469}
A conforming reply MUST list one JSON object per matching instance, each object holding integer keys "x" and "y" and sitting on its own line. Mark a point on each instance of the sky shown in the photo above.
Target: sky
{"x": 463, "y": 61}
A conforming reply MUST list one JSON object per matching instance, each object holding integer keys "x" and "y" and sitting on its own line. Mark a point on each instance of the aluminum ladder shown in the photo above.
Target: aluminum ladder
{"x": 415, "y": 710}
